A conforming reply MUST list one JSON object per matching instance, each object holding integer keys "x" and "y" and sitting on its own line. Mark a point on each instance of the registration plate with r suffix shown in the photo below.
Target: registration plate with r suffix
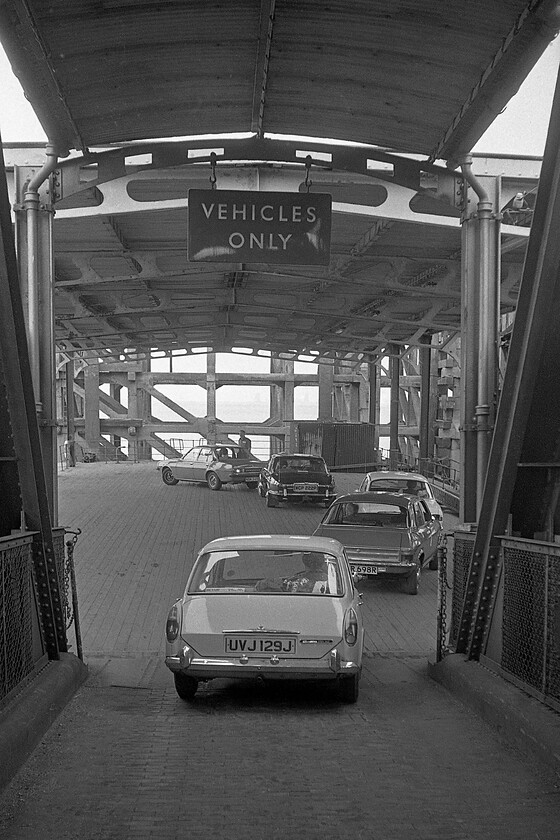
{"x": 363, "y": 570}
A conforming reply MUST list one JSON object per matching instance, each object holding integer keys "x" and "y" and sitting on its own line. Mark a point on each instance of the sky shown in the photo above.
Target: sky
{"x": 520, "y": 130}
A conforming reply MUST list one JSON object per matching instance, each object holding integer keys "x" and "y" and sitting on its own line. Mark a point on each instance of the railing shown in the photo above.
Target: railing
{"x": 524, "y": 634}
{"x": 261, "y": 449}
{"x": 20, "y": 644}
{"x": 530, "y": 639}
{"x": 22, "y": 650}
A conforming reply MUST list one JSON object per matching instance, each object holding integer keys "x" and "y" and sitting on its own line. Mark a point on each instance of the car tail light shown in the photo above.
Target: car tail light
{"x": 351, "y": 627}
{"x": 407, "y": 557}
{"x": 172, "y": 625}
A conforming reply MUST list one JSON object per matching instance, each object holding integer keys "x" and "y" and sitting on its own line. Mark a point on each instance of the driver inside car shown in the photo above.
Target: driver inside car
{"x": 313, "y": 578}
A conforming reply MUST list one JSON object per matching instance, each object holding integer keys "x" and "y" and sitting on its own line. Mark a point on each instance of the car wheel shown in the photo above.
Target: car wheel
{"x": 252, "y": 485}
{"x": 434, "y": 563}
{"x": 167, "y": 477}
{"x": 349, "y": 688}
{"x": 271, "y": 501}
{"x": 185, "y": 686}
{"x": 213, "y": 481}
{"x": 411, "y": 581}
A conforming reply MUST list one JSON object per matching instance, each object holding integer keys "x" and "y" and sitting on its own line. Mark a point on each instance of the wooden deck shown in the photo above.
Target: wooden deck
{"x": 140, "y": 537}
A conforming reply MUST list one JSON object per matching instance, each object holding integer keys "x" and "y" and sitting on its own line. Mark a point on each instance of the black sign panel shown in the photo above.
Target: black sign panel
{"x": 259, "y": 227}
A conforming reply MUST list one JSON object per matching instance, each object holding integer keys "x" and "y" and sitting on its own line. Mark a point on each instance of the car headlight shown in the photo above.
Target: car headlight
{"x": 173, "y": 625}
{"x": 351, "y": 626}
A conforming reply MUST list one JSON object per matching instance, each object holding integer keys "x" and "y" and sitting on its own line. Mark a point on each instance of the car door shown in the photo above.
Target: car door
{"x": 430, "y": 528}
{"x": 267, "y": 472}
{"x": 200, "y": 464}
{"x": 181, "y": 469}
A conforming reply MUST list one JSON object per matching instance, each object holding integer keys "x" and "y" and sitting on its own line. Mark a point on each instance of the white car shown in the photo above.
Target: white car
{"x": 399, "y": 481}
{"x": 216, "y": 465}
{"x": 274, "y": 607}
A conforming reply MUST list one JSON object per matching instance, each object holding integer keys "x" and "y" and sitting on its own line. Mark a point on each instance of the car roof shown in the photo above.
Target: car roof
{"x": 396, "y": 474}
{"x": 296, "y": 455}
{"x": 377, "y": 496}
{"x": 275, "y": 542}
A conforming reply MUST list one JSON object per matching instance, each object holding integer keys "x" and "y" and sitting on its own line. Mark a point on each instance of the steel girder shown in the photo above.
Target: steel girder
{"x": 523, "y": 471}
{"x": 23, "y": 478}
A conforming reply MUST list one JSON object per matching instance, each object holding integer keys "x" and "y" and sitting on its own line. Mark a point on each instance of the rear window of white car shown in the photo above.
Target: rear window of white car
{"x": 397, "y": 485}
{"x": 281, "y": 572}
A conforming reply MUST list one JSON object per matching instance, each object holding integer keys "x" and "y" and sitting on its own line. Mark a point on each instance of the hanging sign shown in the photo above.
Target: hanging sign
{"x": 259, "y": 227}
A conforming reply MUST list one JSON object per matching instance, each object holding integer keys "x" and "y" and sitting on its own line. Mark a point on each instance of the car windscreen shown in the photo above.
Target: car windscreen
{"x": 267, "y": 571}
{"x": 375, "y": 514}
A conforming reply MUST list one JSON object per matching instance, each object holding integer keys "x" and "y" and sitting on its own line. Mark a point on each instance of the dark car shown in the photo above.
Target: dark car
{"x": 215, "y": 465}
{"x": 296, "y": 478}
{"x": 391, "y": 534}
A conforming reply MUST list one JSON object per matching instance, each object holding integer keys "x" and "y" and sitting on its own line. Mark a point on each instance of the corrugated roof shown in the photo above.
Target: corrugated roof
{"x": 414, "y": 77}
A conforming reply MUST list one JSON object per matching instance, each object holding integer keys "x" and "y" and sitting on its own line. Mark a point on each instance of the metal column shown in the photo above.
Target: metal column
{"x": 20, "y": 428}
{"x": 395, "y": 409}
{"x": 426, "y": 430}
{"x": 326, "y": 379}
{"x": 469, "y": 364}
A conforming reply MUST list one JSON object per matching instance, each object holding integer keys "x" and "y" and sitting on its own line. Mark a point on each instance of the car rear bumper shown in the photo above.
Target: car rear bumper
{"x": 376, "y": 569}
{"x": 288, "y": 495}
{"x": 327, "y": 667}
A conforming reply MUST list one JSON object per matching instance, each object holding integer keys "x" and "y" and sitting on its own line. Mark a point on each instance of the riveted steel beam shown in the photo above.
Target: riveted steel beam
{"x": 528, "y": 400}
{"x": 28, "y": 482}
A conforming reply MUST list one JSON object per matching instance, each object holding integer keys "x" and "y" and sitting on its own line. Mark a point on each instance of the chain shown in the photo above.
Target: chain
{"x": 213, "y": 178}
{"x": 308, "y": 181}
{"x": 443, "y": 586}
{"x": 68, "y": 574}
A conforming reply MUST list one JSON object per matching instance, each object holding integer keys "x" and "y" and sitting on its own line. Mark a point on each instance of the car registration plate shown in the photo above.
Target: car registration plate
{"x": 259, "y": 646}
{"x": 363, "y": 570}
{"x": 305, "y": 488}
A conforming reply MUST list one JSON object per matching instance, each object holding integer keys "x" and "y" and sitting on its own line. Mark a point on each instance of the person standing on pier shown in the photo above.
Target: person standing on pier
{"x": 244, "y": 442}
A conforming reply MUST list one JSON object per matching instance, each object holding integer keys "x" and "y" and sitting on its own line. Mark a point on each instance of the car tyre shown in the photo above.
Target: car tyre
{"x": 434, "y": 563}
{"x": 252, "y": 485}
{"x": 271, "y": 501}
{"x": 349, "y": 688}
{"x": 213, "y": 481}
{"x": 411, "y": 581}
{"x": 167, "y": 477}
{"x": 185, "y": 686}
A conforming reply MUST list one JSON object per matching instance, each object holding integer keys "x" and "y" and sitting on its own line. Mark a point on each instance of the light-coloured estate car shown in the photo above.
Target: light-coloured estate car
{"x": 275, "y": 607}
{"x": 222, "y": 463}
{"x": 399, "y": 481}
{"x": 384, "y": 534}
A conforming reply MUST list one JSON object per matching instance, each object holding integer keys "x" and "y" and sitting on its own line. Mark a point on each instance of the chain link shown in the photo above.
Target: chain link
{"x": 68, "y": 575}
{"x": 443, "y": 586}
{"x": 213, "y": 178}
{"x": 308, "y": 181}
